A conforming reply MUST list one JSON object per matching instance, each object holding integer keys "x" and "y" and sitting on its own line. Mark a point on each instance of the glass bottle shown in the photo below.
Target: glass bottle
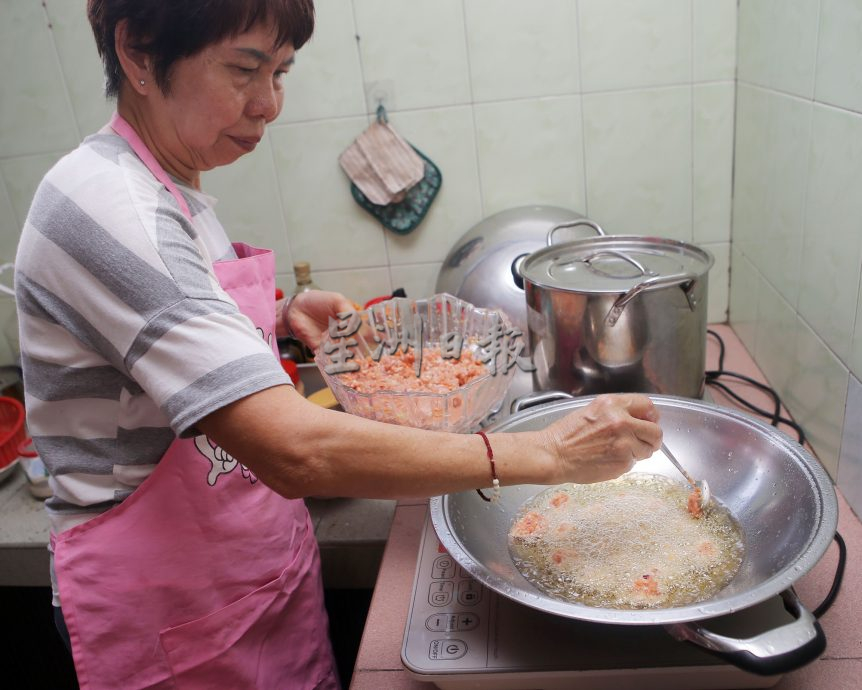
{"x": 302, "y": 272}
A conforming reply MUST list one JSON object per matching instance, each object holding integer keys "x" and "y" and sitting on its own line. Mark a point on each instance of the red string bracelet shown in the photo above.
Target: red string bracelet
{"x": 494, "y": 481}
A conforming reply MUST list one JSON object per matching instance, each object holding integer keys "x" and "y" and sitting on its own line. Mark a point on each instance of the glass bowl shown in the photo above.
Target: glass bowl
{"x": 443, "y": 327}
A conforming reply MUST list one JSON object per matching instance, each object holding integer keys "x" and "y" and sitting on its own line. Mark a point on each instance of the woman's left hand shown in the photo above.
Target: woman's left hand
{"x": 310, "y": 312}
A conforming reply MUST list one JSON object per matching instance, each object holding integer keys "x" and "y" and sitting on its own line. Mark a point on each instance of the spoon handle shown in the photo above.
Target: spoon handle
{"x": 669, "y": 456}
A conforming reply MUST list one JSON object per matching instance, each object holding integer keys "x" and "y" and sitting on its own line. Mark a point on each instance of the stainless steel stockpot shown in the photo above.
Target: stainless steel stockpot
{"x": 617, "y": 313}
{"x": 782, "y": 497}
{"x": 480, "y": 267}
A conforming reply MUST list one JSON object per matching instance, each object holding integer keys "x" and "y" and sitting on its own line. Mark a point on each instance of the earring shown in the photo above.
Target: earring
{"x": 142, "y": 82}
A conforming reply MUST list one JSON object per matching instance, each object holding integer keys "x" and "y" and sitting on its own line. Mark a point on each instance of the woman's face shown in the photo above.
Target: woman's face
{"x": 221, "y": 99}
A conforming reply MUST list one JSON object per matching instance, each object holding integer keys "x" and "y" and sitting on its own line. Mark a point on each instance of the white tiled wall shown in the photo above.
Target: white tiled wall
{"x": 618, "y": 109}
{"x": 796, "y": 299}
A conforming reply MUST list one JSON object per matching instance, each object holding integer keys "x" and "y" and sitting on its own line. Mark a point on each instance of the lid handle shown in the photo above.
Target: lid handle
{"x": 686, "y": 281}
{"x": 574, "y": 224}
{"x": 619, "y": 255}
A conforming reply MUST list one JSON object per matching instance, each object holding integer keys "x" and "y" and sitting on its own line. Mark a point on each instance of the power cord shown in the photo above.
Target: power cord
{"x": 776, "y": 418}
{"x": 775, "y": 415}
{"x": 836, "y": 582}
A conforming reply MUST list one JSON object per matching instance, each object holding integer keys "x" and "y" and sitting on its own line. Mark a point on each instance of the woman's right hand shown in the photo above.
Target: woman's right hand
{"x": 604, "y": 439}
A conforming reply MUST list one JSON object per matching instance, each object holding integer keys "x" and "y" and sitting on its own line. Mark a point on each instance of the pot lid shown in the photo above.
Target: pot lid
{"x": 615, "y": 263}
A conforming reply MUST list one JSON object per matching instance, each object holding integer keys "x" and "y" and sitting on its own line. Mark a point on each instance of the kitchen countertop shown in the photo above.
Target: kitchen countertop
{"x": 378, "y": 663}
{"x": 351, "y": 534}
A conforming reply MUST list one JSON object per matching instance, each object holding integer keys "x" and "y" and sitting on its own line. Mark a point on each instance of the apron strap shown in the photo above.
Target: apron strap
{"x": 125, "y": 130}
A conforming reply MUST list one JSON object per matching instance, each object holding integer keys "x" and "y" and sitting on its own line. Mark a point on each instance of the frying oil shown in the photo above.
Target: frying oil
{"x": 629, "y": 543}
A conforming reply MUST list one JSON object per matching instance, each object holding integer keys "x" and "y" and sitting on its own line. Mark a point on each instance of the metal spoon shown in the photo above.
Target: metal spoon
{"x": 699, "y": 485}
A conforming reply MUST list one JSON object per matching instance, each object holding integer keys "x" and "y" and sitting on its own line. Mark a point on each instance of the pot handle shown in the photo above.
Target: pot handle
{"x": 686, "y": 280}
{"x": 540, "y": 398}
{"x": 574, "y": 224}
{"x": 776, "y": 651}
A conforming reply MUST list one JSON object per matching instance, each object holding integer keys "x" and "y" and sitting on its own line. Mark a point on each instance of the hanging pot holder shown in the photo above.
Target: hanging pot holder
{"x": 405, "y": 214}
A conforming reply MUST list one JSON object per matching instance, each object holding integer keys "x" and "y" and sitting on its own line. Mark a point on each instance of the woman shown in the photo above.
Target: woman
{"x": 183, "y": 556}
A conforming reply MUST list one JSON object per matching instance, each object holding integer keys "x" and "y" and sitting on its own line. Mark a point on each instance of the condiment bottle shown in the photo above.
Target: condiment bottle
{"x": 302, "y": 272}
{"x": 304, "y": 283}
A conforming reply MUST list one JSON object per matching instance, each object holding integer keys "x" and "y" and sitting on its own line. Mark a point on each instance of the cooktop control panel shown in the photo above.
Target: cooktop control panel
{"x": 455, "y": 610}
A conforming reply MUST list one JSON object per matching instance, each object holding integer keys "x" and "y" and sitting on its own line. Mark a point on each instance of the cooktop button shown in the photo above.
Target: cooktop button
{"x": 469, "y": 593}
{"x": 467, "y": 621}
{"x": 440, "y": 593}
{"x": 443, "y": 568}
{"x": 447, "y": 649}
{"x": 442, "y": 622}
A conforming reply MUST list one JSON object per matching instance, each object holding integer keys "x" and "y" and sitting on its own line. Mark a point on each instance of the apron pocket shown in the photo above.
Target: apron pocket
{"x": 274, "y": 637}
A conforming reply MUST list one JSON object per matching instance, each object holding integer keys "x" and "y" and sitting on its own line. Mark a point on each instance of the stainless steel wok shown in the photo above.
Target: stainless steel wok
{"x": 782, "y": 497}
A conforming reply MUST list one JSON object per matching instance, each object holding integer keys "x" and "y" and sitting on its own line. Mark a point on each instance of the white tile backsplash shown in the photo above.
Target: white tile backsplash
{"x": 325, "y": 226}
{"x": 8, "y": 329}
{"x": 80, "y": 63}
{"x": 712, "y": 161}
{"x": 249, "y": 202}
{"x": 751, "y": 169}
{"x": 850, "y": 463}
{"x": 9, "y": 236}
{"x": 639, "y": 160}
{"x": 775, "y": 338}
{"x": 521, "y": 50}
{"x": 797, "y": 234}
{"x": 771, "y": 170}
{"x": 447, "y": 137}
{"x": 793, "y": 46}
{"x": 817, "y": 394}
{"x": 719, "y": 283}
{"x": 855, "y": 359}
{"x": 753, "y": 39}
{"x": 628, "y": 44}
{"x": 418, "y": 280}
{"x": 359, "y": 285}
{"x": 326, "y": 80}
{"x": 530, "y": 152}
{"x": 839, "y": 55}
{"x": 745, "y": 285}
{"x": 713, "y": 40}
{"x": 777, "y": 44}
{"x": 418, "y": 49}
{"x": 832, "y": 247}
{"x": 34, "y": 92}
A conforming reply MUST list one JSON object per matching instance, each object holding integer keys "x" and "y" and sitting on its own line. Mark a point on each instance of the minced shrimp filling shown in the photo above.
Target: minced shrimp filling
{"x": 397, "y": 372}
{"x": 629, "y": 543}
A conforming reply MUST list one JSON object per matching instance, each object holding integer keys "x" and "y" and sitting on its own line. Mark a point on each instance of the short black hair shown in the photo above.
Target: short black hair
{"x": 169, "y": 30}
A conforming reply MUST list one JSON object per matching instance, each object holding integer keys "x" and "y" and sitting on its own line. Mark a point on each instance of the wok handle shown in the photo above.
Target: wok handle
{"x": 776, "y": 651}
{"x": 540, "y": 398}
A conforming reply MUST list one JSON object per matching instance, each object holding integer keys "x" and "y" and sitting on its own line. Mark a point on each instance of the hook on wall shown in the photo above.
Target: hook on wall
{"x": 382, "y": 118}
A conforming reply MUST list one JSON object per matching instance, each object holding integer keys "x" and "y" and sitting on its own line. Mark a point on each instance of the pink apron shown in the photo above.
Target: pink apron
{"x": 203, "y": 577}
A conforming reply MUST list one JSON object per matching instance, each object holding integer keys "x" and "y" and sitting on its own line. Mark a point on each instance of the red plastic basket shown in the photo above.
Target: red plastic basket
{"x": 12, "y": 431}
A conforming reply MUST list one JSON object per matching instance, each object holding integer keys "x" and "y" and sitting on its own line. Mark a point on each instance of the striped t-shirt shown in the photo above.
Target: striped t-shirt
{"x": 127, "y": 340}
